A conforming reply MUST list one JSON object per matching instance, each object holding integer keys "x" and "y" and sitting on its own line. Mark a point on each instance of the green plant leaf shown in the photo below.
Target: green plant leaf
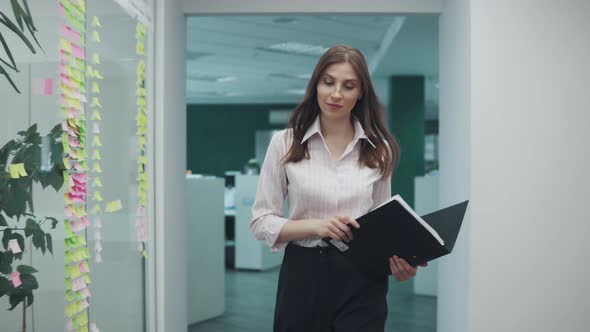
{"x": 12, "y": 64}
{"x": 49, "y": 242}
{"x": 39, "y": 240}
{"x": 54, "y": 222}
{"x": 26, "y": 269}
{"x": 31, "y": 226}
{"x": 6, "y": 237}
{"x": 6, "y": 259}
{"x": 16, "y": 299}
{"x": 29, "y": 281}
{"x": 10, "y": 25}
{"x": 3, "y": 72}
{"x": 30, "y": 299}
{"x": 3, "y": 221}
{"x": 4, "y": 286}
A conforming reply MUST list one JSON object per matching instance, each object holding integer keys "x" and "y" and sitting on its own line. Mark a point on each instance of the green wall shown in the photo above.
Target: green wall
{"x": 406, "y": 120}
{"x": 221, "y": 137}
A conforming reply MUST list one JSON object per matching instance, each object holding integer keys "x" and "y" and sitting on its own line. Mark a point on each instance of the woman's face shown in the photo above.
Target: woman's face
{"x": 338, "y": 90}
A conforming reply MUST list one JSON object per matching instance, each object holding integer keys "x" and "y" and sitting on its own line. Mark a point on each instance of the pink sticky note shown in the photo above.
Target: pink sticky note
{"x": 14, "y": 247}
{"x": 68, "y": 212}
{"x": 69, "y": 324}
{"x": 95, "y": 128}
{"x": 48, "y": 87}
{"x": 15, "y": 278}
{"x": 85, "y": 292}
{"x": 83, "y": 268}
{"x": 84, "y": 221}
{"x": 38, "y": 86}
{"x": 98, "y": 223}
{"x": 98, "y": 246}
{"x": 85, "y": 304}
{"x": 97, "y": 235}
{"x": 98, "y": 257}
{"x": 78, "y": 52}
{"x": 62, "y": 10}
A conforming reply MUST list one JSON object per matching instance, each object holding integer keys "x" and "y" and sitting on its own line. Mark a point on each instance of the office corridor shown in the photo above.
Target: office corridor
{"x": 250, "y": 300}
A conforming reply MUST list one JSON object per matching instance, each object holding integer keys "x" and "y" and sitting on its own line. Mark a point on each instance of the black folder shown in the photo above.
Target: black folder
{"x": 395, "y": 229}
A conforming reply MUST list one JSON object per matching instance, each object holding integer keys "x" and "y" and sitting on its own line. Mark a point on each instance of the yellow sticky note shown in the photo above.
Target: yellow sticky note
{"x": 114, "y": 206}
{"x": 75, "y": 272}
{"x": 96, "y": 115}
{"x": 89, "y": 71}
{"x": 14, "y": 172}
{"x": 96, "y": 155}
{"x": 87, "y": 278}
{"x": 96, "y": 36}
{"x": 96, "y": 168}
{"x": 96, "y": 22}
{"x": 95, "y": 87}
{"x": 96, "y": 182}
{"x": 67, "y": 163}
{"x": 95, "y": 59}
{"x": 96, "y": 141}
{"x": 144, "y": 253}
{"x": 140, "y": 49}
{"x": 97, "y": 74}
{"x": 97, "y": 196}
{"x": 95, "y": 102}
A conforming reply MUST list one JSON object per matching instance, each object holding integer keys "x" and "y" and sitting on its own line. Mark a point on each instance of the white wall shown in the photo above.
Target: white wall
{"x": 530, "y": 186}
{"x": 170, "y": 136}
{"x": 454, "y": 154}
{"x": 526, "y": 69}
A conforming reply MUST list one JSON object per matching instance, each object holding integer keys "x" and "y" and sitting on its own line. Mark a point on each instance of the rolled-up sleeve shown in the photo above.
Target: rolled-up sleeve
{"x": 381, "y": 191}
{"x": 268, "y": 209}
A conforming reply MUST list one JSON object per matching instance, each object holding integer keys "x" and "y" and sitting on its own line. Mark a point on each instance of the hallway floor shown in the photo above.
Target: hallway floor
{"x": 246, "y": 312}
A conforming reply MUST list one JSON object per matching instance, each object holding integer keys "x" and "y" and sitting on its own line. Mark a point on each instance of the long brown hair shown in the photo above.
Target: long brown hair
{"x": 368, "y": 110}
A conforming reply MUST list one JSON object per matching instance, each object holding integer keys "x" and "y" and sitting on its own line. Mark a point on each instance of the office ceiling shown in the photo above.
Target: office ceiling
{"x": 269, "y": 58}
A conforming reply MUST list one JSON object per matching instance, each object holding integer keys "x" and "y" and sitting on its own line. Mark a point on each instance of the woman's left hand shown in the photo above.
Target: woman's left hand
{"x": 401, "y": 270}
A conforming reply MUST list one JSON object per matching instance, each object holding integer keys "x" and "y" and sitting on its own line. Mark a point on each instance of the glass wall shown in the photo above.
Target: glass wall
{"x": 116, "y": 150}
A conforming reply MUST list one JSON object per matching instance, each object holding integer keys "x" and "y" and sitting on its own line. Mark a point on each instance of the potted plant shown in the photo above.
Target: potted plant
{"x": 22, "y": 165}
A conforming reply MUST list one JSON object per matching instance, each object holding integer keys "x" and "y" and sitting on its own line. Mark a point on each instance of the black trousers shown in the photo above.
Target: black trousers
{"x": 321, "y": 291}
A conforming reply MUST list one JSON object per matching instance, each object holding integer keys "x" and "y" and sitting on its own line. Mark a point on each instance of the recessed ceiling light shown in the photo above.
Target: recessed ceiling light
{"x": 295, "y": 48}
{"x": 226, "y": 79}
{"x": 296, "y": 91}
{"x": 211, "y": 78}
{"x": 291, "y": 76}
{"x": 284, "y": 20}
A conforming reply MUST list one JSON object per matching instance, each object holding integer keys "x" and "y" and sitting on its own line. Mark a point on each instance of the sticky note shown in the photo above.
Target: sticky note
{"x": 97, "y": 196}
{"x": 140, "y": 49}
{"x": 98, "y": 257}
{"x": 13, "y": 172}
{"x": 98, "y": 246}
{"x": 95, "y": 102}
{"x": 96, "y": 182}
{"x": 95, "y": 87}
{"x": 17, "y": 170}
{"x": 15, "y": 279}
{"x": 114, "y": 206}
{"x": 96, "y": 22}
{"x": 13, "y": 246}
{"x": 96, "y": 168}
{"x": 96, "y": 141}
{"x": 96, "y": 115}
{"x": 96, "y": 36}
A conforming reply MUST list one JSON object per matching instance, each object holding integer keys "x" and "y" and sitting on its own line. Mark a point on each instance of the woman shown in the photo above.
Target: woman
{"x": 333, "y": 162}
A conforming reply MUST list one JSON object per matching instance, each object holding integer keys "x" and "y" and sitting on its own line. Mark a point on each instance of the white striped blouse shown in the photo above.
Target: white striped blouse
{"x": 317, "y": 188}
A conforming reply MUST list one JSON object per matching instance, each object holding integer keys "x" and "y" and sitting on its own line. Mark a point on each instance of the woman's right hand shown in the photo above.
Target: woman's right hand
{"x": 336, "y": 228}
